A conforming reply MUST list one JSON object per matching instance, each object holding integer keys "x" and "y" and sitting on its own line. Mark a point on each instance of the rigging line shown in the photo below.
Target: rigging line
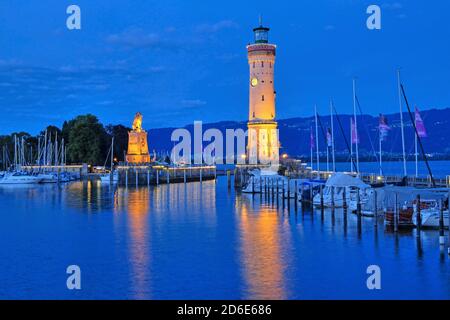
{"x": 345, "y": 138}
{"x": 419, "y": 140}
{"x": 367, "y": 131}
{"x": 322, "y": 129}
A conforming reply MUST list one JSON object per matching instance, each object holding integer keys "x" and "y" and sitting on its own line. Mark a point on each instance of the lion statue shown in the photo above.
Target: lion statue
{"x": 137, "y": 122}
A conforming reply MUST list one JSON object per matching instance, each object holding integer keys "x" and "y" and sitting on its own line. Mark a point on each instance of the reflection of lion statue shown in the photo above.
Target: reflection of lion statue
{"x": 137, "y": 122}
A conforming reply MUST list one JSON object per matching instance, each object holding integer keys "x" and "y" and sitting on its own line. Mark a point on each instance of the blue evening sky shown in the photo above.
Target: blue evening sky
{"x": 179, "y": 61}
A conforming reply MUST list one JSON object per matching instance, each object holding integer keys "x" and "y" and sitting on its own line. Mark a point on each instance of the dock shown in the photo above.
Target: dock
{"x": 148, "y": 174}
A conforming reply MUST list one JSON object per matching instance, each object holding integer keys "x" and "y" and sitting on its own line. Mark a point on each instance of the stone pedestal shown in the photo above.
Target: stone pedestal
{"x": 137, "y": 147}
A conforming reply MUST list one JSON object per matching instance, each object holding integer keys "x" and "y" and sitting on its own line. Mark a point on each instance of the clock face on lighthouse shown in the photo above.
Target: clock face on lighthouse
{"x": 254, "y": 82}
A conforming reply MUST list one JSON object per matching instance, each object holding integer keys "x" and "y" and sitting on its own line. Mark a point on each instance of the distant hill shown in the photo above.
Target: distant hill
{"x": 295, "y": 134}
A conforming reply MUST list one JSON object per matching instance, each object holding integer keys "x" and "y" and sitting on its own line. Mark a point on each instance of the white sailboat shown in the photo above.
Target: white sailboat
{"x": 19, "y": 178}
{"x": 430, "y": 214}
{"x": 113, "y": 176}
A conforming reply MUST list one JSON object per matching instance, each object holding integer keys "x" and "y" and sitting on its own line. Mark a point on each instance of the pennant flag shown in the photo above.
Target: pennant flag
{"x": 383, "y": 127}
{"x": 329, "y": 138}
{"x": 312, "y": 144}
{"x": 420, "y": 126}
{"x": 355, "y": 138}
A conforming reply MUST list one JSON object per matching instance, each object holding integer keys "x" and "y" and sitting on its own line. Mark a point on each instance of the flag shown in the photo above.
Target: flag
{"x": 355, "y": 138}
{"x": 311, "y": 139}
{"x": 329, "y": 138}
{"x": 383, "y": 127}
{"x": 420, "y": 126}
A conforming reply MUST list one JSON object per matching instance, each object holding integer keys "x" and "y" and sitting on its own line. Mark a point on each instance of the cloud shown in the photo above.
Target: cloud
{"x": 193, "y": 103}
{"x": 137, "y": 38}
{"x": 392, "y": 5}
{"x": 216, "y": 27}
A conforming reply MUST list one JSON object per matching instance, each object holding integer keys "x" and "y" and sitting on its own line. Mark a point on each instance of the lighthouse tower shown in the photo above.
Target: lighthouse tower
{"x": 263, "y": 145}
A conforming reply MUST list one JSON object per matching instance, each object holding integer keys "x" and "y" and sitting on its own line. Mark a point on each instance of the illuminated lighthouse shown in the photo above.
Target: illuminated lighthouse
{"x": 263, "y": 146}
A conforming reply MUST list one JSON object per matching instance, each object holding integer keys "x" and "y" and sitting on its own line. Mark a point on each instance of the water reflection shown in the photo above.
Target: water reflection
{"x": 261, "y": 250}
{"x": 135, "y": 201}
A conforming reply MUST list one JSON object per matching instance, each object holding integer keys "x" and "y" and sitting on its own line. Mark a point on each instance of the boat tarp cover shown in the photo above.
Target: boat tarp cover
{"x": 341, "y": 180}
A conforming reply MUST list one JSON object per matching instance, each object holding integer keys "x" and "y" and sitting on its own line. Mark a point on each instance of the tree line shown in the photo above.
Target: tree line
{"x": 86, "y": 139}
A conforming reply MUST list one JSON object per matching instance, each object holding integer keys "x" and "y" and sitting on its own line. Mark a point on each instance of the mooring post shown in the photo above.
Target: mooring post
{"x": 137, "y": 176}
{"x": 253, "y": 185}
{"x": 201, "y": 175}
{"x": 167, "y": 176}
{"x": 157, "y": 177}
{"x": 332, "y": 197}
{"x": 148, "y": 177}
{"x": 273, "y": 190}
{"x": 277, "y": 195}
{"x": 396, "y": 213}
{"x": 289, "y": 188}
{"x": 296, "y": 196}
{"x": 283, "y": 191}
{"x": 184, "y": 177}
{"x": 126, "y": 177}
{"x": 358, "y": 202}
{"x": 441, "y": 223}
{"x": 448, "y": 208}
{"x": 265, "y": 186}
{"x": 418, "y": 215}
{"x": 228, "y": 178}
{"x": 344, "y": 198}
{"x": 301, "y": 192}
{"x": 375, "y": 206}
{"x": 321, "y": 197}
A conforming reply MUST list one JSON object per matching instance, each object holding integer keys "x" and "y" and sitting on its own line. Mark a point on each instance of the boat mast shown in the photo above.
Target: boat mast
{"x": 415, "y": 152}
{"x": 351, "y": 147}
{"x": 317, "y": 140}
{"x": 311, "y": 148}
{"x": 112, "y": 154}
{"x": 332, "y": 136}
{"x": 45, "y": 148}
{"x": 401, "y": 122}
{"x": 356, "y": 126}
{"x": 381, "y": 161}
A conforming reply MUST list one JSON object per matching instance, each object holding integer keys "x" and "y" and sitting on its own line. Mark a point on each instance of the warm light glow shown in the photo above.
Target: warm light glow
{"x": 243, "y": 156}
{"x": 284, "y": 155}
{"x": 254, "y": 82}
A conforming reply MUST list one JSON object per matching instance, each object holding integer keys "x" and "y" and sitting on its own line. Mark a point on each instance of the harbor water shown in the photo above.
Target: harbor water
{"x": 202, "y": 241}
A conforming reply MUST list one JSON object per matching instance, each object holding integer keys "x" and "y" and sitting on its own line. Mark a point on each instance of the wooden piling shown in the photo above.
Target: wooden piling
{"x": 201, "y": 176}
{"x": 184, "y": 177}
{"x": 418, "y": 215}
{"x": 157, "y": 177}
{"x": 126, "y": 178}
{"x": 332, "y": 198}
{"x": 148, "y": 177}
{"x": 396, "y": 213}
{"x": 358, "y": 202}
{"x": 375, "y": 214}
{"x": 441, "y": 223}
{"x": 228, "y": 179}
{"x": 296, "y": 196}
{"x": 321, "y": 197}
{"x": 344, "y": 198}
{"x": 167, "y": 176}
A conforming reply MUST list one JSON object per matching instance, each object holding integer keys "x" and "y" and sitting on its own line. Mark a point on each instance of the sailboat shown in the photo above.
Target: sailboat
{"x": 113, "y": 175}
